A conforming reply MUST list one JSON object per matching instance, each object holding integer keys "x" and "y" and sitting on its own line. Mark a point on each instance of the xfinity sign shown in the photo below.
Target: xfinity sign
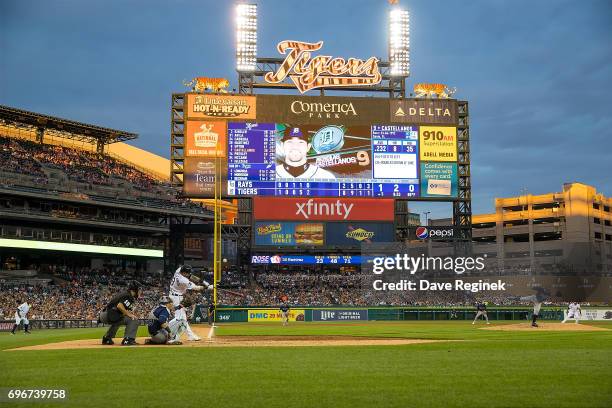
{"x": 328, "y": 209}
{"x": 322, "y": 209}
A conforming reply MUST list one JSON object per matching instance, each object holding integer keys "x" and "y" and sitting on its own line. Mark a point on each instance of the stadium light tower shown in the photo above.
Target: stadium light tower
{"x": 246, "y": 37}
{"x": 399, "y": 42}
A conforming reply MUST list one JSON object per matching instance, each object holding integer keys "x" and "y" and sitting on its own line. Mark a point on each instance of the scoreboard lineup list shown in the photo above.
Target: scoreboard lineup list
{"x": 252, "y": 165}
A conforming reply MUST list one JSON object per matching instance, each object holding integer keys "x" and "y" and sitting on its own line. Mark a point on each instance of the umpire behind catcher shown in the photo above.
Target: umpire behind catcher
{"x": 117, "y": 313}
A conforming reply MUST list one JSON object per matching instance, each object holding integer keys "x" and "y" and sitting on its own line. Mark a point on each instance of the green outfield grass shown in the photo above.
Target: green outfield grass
{"x": 488, "y": 369}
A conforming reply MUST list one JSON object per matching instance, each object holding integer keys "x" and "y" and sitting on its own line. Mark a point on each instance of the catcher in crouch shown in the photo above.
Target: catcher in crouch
{"x": 162, "y": 329}
{"x": 182, "y": 281}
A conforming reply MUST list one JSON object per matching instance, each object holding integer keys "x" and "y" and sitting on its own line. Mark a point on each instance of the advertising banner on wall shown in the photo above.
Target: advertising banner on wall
{"x": 199, "y": 177}
{"x": 438, "y": 143}
{"x": 322, "y": 209}
{"x": 341, "y": 234}
{"x": 439, "y": 180}
{"x": 437, "y": 233}
{"x": 353, "y": 234}
{"x": 289, "y": 233}
{"x": 424, "y": 111}
{"x": 274, "y": 315}
{"x": 336, "y": 315}
{"x": 205, "y": 139}
{"x": 203, "y": 106}
{"x": 297, "y": 259}
{"x": 593, "y": 314}
{"x": 305, "y": 110}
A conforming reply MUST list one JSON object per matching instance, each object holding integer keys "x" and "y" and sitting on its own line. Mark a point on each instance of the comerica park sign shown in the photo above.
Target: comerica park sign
{"x": 308, "y": 72}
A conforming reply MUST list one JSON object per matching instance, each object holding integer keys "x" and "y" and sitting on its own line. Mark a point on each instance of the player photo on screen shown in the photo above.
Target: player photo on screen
{"x": 326, "y": 152}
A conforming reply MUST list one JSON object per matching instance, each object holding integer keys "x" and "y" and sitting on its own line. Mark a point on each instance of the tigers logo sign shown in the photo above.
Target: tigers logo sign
{"x": 309, "y": 72}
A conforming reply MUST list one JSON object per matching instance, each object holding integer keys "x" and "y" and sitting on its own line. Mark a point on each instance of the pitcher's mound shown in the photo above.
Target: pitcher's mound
{"x": 239, "y": 341}
{"x": 545, "y": 327}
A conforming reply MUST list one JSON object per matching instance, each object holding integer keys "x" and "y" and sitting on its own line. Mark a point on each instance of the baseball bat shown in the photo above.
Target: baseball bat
{"x": 231, "y": 292}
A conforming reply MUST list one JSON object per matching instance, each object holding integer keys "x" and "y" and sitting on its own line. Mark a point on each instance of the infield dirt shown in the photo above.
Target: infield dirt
{"x": 241, "y": 341}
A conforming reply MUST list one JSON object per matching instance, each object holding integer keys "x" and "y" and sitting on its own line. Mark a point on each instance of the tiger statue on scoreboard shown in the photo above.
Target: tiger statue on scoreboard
{"x": 431, "y": 90}
{"x": 203, "y": 84}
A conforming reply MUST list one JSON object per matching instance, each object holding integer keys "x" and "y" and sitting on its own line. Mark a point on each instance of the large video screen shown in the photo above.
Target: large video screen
{"x": 331, "y": 160}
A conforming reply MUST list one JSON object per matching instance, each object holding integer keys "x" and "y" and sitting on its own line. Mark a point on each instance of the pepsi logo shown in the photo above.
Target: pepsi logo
{"x": 422, "y": 233}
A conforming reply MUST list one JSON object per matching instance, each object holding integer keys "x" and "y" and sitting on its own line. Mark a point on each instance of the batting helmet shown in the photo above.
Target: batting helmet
{"x": 135, "y": 286}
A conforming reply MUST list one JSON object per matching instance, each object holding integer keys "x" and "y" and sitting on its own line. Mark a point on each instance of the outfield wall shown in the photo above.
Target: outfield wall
{"x": 321, "y": 314}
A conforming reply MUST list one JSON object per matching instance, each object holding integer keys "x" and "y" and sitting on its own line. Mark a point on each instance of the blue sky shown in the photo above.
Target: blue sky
{"x": 537, "y": 74}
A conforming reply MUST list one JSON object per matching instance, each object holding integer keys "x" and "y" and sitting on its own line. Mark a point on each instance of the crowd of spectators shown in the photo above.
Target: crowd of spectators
{"x": 347, "y": 289}
{"x": 80, "y": 166}
{"x": 18, "y": 159}
{"x": 77, "y": 293}
{"x": 80, "y": 293}
{"x": 73, "y": 300}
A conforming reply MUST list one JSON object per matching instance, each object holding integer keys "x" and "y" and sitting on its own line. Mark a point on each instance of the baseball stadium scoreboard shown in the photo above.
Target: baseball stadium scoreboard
{"x": 300, "y": 146}
{"x": 320, "y": 174}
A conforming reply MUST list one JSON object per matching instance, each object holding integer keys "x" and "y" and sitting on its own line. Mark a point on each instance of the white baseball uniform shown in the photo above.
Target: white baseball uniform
{"x": 573, "y": 312}
{"x": 178, "y": 286}
{"x": 21, "y": 315}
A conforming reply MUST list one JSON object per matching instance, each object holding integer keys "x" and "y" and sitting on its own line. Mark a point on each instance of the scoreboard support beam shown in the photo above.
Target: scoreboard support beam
{"x": 462, "y": 207}
{"x": 177, "y": 139}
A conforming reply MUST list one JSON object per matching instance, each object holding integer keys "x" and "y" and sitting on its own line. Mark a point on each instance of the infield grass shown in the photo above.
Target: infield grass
{"x": 487, "y": 369}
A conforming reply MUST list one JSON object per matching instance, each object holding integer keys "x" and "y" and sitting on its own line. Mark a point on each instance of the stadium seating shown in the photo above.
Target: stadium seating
{"x": 55, "y": 169}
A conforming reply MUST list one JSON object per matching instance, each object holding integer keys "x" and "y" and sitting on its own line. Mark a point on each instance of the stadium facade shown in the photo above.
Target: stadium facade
{"x": 70, "y": 195}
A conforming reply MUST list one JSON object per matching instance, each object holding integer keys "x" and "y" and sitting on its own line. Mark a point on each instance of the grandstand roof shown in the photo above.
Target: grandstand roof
{"x": 67, "y": 128}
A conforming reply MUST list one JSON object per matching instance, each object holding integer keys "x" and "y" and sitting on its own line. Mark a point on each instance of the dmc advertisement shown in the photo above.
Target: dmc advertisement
{"x": 322, "y": 209}
{"x": 326, "y": 315}
{"x": 275, "y": 315}
{"x": 439, "y": 180}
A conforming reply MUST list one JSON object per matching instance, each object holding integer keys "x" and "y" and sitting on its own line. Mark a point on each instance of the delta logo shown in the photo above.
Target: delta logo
{"x": 269, "y": 229}
{"x": 422, "y": 233}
